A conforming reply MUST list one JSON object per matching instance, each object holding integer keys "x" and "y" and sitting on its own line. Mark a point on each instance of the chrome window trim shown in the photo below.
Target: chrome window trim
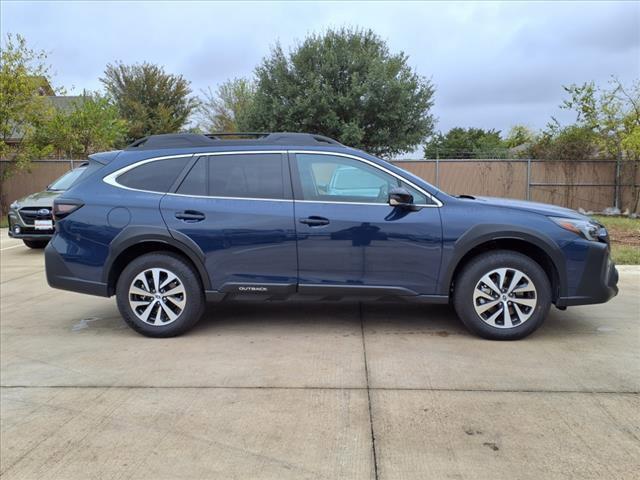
{"x": 371, "y": 204}
{"x": 111, "y": 179}
{"x": 213, "y": 197}
{"x": 437, "y": 203}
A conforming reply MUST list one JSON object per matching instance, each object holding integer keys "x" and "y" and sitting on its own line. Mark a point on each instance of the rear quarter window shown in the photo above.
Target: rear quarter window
{"x": 155, "y": 176}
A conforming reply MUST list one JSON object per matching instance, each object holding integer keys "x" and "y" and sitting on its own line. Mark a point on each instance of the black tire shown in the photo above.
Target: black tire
{"x": 474, "y": 271}
{"x": 194, "y": 301}
{"x": 36, "y": 243}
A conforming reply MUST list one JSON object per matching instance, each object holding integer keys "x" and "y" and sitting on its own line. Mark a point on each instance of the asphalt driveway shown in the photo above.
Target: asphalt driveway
{"x": 306, "y": 390}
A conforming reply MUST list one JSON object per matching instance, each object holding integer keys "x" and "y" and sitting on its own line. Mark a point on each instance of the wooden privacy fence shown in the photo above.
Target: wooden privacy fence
{"x": 40, "y": 174}
{"x": 588, "y": 184}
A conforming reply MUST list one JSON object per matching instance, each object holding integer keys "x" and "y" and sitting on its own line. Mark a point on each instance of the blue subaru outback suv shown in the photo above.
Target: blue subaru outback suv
{"x": 173, "y": 221}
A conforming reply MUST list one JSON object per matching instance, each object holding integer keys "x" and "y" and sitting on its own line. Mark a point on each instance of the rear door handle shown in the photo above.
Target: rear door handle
{"x": 190, "y": 216}
{"x": 314, "y": 221}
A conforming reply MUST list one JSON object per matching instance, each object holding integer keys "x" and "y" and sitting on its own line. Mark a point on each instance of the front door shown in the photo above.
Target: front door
{"x": 349, "y": 237}
{"x": 237, "y": 207}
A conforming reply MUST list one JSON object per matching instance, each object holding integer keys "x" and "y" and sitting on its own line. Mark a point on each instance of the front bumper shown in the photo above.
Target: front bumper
{"x": 18, "y": 229}
{"x": 599, "y": 282}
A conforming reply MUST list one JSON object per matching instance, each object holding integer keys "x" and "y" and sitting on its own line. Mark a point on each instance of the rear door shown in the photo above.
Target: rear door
{"x": 238, "y": 208}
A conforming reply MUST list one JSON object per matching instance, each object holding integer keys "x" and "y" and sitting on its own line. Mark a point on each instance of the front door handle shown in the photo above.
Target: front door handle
{"x": 190, "y": 216}
{"x": 314, "y": 221}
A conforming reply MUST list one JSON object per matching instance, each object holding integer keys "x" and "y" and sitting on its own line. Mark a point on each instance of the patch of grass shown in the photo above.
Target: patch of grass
{"x": 622, "y": 223}
{"x": 625, "y": 254}
{"x": 4, "y": 222}
{"x": 625, "y": 238}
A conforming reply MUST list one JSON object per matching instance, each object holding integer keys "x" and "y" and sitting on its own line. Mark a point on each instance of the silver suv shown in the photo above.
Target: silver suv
{"x": 30, "y": 217}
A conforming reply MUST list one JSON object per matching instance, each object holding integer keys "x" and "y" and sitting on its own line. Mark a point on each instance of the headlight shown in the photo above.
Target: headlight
{"x": 585, "y": 228}
{"x": 14, "y": 206}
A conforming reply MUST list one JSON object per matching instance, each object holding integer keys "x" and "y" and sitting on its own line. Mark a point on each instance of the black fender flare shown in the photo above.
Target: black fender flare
{"x": 485, "y": 233}
{"x": 133, "y": 235}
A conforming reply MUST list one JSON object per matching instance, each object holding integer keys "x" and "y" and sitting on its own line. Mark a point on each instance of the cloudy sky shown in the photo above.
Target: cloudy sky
{"x": 493, "y": 64}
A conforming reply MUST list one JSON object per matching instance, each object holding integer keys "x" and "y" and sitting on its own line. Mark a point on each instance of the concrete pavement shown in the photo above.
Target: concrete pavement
{"x": 305, "y": 390}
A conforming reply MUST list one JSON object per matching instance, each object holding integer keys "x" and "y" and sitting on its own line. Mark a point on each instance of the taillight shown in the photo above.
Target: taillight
{"x": 63, "y": 208}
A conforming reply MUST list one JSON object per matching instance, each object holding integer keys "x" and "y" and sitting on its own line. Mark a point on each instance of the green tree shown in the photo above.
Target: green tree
{"x": 226, "y": 108}
{"x": 347, "y": 85}
{"x": 612, "y": 113}
{"x": 56, "y": 133}
{"x": 96, "y": 124}
{"x": 607, "y": 126}
{"x": 466, "y": 143}
{"x": 23, "y": 108}
{"x": 150, "y": 100}
{"x": 91, "y": 124}
{"x": 518, "y": 136}
{"x": 572, "y": 143}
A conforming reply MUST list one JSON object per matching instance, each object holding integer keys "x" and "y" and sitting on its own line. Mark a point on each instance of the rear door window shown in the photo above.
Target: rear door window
{"x": 195, "y": 183}
{"x": 250, "y": 175}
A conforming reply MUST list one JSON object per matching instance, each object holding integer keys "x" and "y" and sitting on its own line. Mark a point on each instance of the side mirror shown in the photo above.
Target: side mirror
{"x": 400, "y": 197}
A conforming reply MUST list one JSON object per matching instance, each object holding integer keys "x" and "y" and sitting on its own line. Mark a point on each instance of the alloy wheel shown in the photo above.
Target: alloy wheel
{"x": 505, "y": 298}
{"x": 157, "y": 296}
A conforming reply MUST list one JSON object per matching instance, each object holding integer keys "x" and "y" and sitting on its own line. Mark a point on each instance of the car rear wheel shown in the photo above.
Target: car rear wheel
{"x": 160, "y": 295}
{"x": 36, "y": 243}
{"x": 502, "y": 295}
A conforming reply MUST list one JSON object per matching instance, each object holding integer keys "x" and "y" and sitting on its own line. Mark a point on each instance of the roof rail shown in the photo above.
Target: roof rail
{"x": 170, "y": 140}
{"x": 182, "y": 140}
{"x": 302, "y": 138}
{"x": 218, "y": 135}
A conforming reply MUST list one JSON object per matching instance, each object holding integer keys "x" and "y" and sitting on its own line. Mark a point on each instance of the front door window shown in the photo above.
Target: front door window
{"x": 328, "y": 178}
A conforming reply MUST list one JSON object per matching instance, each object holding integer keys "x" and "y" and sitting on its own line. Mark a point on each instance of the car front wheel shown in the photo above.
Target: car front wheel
{"x": 502, "y": 295}
{"x": 159, "y": 295}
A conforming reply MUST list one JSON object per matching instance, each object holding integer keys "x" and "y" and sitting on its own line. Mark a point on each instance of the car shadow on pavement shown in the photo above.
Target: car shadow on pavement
{"x": 385, "y": 318}
{"x": 376, "y": 318}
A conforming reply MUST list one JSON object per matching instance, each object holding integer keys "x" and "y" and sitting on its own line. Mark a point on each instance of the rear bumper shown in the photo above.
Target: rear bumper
{"x": 59, "y": 276}
{"x": 599, "y": 282}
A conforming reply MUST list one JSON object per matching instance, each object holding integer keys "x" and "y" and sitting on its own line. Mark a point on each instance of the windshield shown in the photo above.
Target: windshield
{"x": 66, "y": 180}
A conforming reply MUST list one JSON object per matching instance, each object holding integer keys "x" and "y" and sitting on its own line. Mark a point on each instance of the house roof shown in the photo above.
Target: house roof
{"x": 44, "y": 87}
{"x": 65, "y": 103}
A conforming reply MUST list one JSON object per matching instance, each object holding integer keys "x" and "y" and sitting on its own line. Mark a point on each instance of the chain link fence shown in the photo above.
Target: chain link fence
{"x": 591, "y": 185}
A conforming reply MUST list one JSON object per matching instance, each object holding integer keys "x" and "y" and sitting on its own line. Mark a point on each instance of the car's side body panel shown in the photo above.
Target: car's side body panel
{"x": 248, "y": 245}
